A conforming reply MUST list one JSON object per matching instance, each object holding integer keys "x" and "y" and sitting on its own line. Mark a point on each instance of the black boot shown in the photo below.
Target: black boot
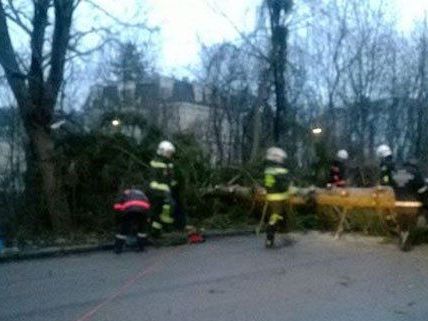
{"x": 118, "y": 244}
{"x": 405, "y": 241}
{"x": 270, "y": 236}
{"x": 141, "y": 242}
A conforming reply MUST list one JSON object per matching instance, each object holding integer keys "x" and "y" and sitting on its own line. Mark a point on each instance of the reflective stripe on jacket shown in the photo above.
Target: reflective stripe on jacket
{"x": 276, "y": 180}
{"x": 277, "y": 197}
{"x": 162, "y": 175}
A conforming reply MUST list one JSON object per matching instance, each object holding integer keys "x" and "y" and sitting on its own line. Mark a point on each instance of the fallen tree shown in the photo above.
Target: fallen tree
{"x": 397, "y": 216}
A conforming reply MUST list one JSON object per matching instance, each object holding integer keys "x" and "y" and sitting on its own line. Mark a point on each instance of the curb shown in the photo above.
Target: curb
{"x": 54, "y": 252}
{"x": 228, "y": 233}
{"x": 57, "y": 251}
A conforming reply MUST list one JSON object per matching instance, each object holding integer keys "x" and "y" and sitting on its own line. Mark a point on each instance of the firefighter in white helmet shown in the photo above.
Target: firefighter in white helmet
{"x": 409, "y": 186}
{"x": 338, "y": 169}
{"x": 161, "y": 186}
{"x": 387, "y": 165}
{"x": 276, "y": 182}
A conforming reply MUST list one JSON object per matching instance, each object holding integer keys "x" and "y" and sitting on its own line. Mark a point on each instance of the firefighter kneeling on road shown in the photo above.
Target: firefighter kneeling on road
{"x": 276, "y": 182}
{"x": 132, "y": 206}
{"x": 161, "y": 184}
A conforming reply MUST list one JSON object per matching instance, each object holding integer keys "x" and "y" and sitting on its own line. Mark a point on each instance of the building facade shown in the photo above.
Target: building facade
{"x": 174, "y": 106}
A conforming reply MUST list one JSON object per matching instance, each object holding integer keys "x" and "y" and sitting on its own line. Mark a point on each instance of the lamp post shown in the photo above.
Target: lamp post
{"x": 317, "y": 131}
{"x": 320, "y": 154}
{"x": 115, "y": 122}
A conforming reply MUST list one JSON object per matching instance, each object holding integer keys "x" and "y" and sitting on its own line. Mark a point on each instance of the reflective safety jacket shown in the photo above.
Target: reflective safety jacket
{"x": 387, "y": 166}
{"x": 132, "y": 200}
{"x": 276, "y": 182}
{"x": 162, "y": 178}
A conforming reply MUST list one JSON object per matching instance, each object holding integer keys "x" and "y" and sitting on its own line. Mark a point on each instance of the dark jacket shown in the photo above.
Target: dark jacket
{"x": 387, "y": 167}
{"x": 337, "y": 175}
{"x": 408, "y": 183}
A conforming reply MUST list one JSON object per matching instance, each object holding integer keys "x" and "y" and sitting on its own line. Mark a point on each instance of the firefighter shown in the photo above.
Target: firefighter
{"x": 387, "y": 165}
{"x": 161, "y": 186}
{"x": 338, "y": 170}
{"x": 276, "y": 182}
{"x": 409, "y": 186}
{"x": 408, "y": 182}
{"x": 132, "y": 206}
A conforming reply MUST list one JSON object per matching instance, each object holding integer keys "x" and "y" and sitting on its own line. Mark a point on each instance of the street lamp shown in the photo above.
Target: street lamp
{"x": 115, "y": 122}
{"x": 317, "y": 131}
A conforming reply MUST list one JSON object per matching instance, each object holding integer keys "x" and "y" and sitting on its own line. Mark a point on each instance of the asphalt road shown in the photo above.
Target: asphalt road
{"x": 312, "y": 278}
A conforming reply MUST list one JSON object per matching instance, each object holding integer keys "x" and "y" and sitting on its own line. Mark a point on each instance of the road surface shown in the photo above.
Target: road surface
{"x": 310, "y": 277}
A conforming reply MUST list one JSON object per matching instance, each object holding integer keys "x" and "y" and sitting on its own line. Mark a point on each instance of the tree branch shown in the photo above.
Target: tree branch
{"x": 118, "y": 21}
{"x": 15, "y": 16}
{"x": 61, "y": 36}
{"x": 240, "y": 33}
{"x": 35, "y": 75}
{"x": 9, "y": 62}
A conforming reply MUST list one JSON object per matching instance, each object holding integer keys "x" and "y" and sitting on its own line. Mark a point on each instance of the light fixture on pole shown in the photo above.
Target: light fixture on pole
{"x": 115, "y": 122}
{"x": 317, "y": 131}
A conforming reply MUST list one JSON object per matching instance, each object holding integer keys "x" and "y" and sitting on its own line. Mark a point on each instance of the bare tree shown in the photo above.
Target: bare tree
{"x": 36, "y": 80}
{"x": 36, "y": 94}
{"x": 330, "y": 31}
{"x": 279, "y": 11}
{"x": 420, "y": 149}
{"x": 227, "y": 73}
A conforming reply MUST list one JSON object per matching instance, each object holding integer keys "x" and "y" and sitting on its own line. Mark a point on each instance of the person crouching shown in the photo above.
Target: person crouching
{"x": 131, "y": 206}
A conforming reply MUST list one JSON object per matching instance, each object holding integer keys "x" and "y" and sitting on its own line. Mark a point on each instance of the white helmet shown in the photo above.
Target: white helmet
{"x": 383, "y": 151}
{"x": 276, "y": 154}
{"x": 165, "y": 149}
{"x": 342, "y": 154}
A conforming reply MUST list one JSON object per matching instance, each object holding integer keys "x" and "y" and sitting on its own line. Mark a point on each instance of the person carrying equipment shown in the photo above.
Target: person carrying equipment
{"x": 276, "y": 183}
{"x": 131, "y": 206}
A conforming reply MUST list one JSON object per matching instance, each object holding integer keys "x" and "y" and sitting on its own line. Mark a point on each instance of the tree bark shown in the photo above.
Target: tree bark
{"x": 36, "y": 99}
{"x": 278, "y": 9}
{"x": 56, "y": 202}
{"x": 279, "y": 44}
{"x": 262, "y": 98}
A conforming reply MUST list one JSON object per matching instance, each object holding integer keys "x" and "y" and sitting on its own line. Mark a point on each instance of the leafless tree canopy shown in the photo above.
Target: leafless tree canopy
{"x": 37, "y": 39}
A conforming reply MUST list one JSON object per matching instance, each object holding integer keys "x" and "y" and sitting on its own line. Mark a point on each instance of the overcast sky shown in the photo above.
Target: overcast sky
{"x": 183, "y": 23}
